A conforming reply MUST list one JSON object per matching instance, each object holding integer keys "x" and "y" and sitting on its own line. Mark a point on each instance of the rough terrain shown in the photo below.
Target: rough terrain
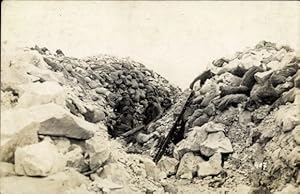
{"x": 61, "y": 125}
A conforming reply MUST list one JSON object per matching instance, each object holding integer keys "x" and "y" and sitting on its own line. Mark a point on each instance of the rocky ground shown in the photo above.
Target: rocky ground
{"x": 59, "y": 125}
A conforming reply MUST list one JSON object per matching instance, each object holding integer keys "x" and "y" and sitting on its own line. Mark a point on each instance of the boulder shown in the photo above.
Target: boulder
{"x": 106, "y": 185}
{"x": 168, "y": 165}
{"x": 275, "y": 65}
{"x": 102, "y": 91}
{"x": 210, "y": 167}
{"x": 25, "y": 136}
{"x": 64, "y": 127}
{"x": 75, "y": 159}
{"x": 96, "y": 115}
{"x": 293, "y": 119}
{"x": 62, "y": 144}
{"x": 212, "y": 127}
{"x": 218, "y": 142}
{"x": 25, "y": 117}
{"x": 261, "y": 77}
{"x": 296, "y": 134}
{"x": 191, "y": 143}
{"x": 40, "y": 93}
{"x": 57, "y": 183}
{"x": 99, "y": 159}
{"x": 15, "y": 67}
{"x": 116, "y": 173}
{"x": 41, "y": 159}
{"x": 188, "y": 166}
{"x": 6, "y": 169}
{"x": 288, "y": 189}
{"x": 152, "y": 171}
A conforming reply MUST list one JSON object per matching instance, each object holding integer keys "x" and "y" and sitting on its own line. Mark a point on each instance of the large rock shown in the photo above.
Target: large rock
{"x": 217, "y": 142}
{"x": 25, "y": 117}
{"x": 98, "y": 159}
{"x": 75, "y": 159}
{"x": 188, "y": 166}
{"x": 152, "y": 171}
{"x": 64, "y": 127}
{"x": 288, "y": 122}
{"x": 16, "y": 66}
{"x": 40, "y": 93}
{"x": 197, "y": 139}
{"x": 57, "y": 183}
{"x": 192, "y": 143}
{"x": 168, "y": 165}
{"x": 261, "y": 77}
{"x": 40, "y": 159}
{"x": 116, "y": 173}
{"x": 211, "y": 167}
{"x": 26, "y": 136}
{"x": 6, "y": 169}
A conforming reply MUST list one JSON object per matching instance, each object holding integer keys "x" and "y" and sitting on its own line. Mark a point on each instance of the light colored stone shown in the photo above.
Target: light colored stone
{"x": 102, "y": 91}
{"x": 25, "y": 117}
{"x": 98, "y": 159}
{"x": 25, "y": 136}
{"x": 192, "y": 143}
{"x": 106, "y": 185}
{"x": 218, "y": 142}
{"x": 288, "y": 122}
{"x": 6, "y": 169}
{"x": 288, "y": 189}
{"x": 62, "y": 144}
{"x": 212, "y": 127}
{"x": 40, "y": 159}
{"x": 40, "y": 93}
{"x": 116, "y": 173}
{"x": 296, "y": 134}
{"x": 66, "y": 126}
{"x": 152, "y": 171}
{"x": 261, "y": 77}
{"x": 188, "y": 166}
{"x": 16, "y": 65}
{"x": 275, "y": 65}
{"x": 168, "y": 165}
{"x": 75, "y": 159}
{"x": 211, "y": 167}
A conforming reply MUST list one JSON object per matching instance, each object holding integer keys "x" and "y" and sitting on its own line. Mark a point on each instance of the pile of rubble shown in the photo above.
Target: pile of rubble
{"x": 239, "y": 133}
{"x": 54, "y": 116}
{"x": 247, "y": 105}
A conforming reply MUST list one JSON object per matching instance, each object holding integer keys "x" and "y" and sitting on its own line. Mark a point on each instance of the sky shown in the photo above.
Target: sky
{"x": 177, "y": 39}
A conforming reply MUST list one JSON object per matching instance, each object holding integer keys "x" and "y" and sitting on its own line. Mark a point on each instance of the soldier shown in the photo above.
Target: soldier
{"x": 125, "y": 121}
{"x": 152, "y": 111}
{"x": 202, "y": 78}
{"x": 125, "y": 101}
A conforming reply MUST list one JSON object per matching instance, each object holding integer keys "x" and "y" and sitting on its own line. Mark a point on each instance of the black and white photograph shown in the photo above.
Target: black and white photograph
{"x": 150, "y": 97}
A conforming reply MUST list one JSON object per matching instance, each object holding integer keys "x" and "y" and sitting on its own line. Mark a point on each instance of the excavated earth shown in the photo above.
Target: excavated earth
{"x": 61, "y": 125}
